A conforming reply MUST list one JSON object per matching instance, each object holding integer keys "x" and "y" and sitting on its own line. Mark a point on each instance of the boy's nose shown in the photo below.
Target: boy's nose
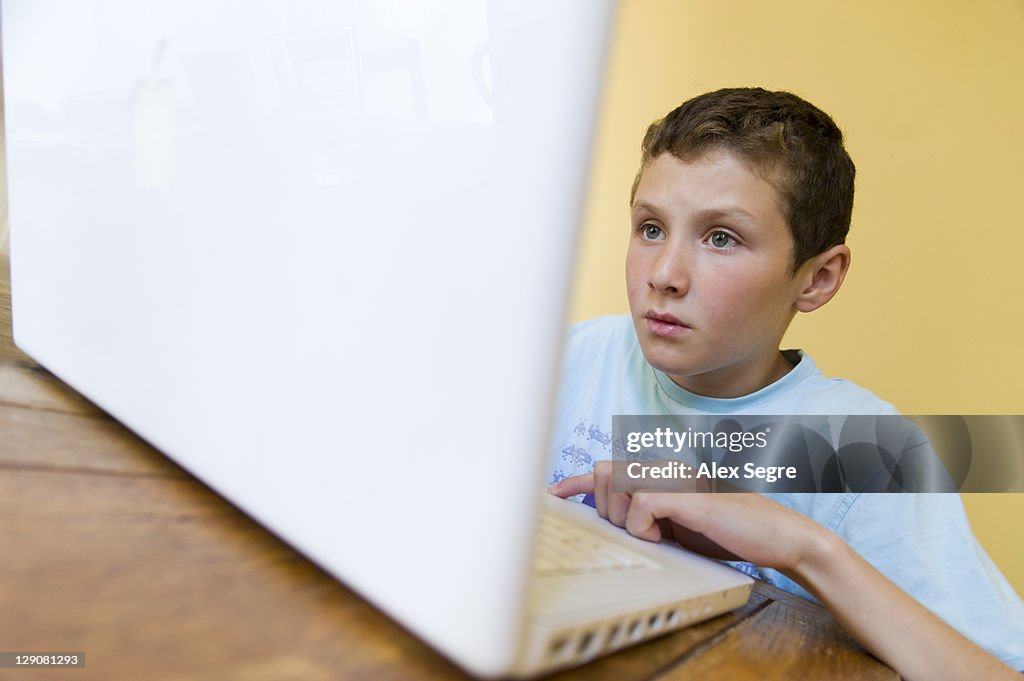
{"x": 669, "y": 273}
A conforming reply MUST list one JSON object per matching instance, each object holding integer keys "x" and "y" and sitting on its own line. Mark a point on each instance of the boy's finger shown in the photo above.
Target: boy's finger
{"x": 602, "y": 485}
{"x": 642, "y": 519}
{"x": 577, "y": 484}
{"x": 647, "y": 510}
{"x": 618, "y": 508}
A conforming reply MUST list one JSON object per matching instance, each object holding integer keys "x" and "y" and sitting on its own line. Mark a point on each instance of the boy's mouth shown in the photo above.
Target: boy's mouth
{"x": 663, "y": 324}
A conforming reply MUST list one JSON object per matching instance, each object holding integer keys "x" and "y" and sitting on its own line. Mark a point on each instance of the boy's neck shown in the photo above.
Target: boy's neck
{"x": 736, "y": 381}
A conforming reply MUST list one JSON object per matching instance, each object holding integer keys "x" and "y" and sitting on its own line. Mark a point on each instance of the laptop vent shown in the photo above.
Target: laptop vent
{"x": 576, "y": 646}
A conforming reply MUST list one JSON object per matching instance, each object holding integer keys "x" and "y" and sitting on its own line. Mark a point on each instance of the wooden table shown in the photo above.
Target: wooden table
{"x": 109, "y": 548}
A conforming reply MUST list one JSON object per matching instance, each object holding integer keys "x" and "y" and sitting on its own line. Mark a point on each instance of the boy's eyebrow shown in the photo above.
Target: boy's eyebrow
{"x": 726, "y": 212}
{"x": 705, "y": 214}
{"x": 643, "y": 205}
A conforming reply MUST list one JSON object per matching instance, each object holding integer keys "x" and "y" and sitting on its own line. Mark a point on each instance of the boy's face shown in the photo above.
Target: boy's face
{"x": 708, "y": 274}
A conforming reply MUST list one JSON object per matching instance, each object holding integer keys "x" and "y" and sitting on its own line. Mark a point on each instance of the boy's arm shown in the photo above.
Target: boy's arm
{"x": 888, "y": 622}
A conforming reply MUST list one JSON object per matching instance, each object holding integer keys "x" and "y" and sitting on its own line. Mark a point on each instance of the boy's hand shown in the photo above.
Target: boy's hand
{"x": 733, "y": 526}
{"x": 751, "y": 527}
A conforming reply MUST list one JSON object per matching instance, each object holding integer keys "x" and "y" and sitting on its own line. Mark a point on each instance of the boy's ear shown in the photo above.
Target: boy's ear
{"x": 821, "y": 277}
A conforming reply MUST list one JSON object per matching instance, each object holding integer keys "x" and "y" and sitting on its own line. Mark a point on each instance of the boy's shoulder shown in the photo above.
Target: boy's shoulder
{"x": 601, "y": 343}
{"x": 603, "y": 330}
{"x": 819, "y": 394}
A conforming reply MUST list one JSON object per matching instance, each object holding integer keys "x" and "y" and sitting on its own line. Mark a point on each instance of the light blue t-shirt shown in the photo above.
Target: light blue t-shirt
{"x": 922, "y": 542}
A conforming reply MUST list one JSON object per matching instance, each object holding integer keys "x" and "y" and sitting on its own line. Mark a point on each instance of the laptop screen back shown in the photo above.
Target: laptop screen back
{"x": 318, "y": 253}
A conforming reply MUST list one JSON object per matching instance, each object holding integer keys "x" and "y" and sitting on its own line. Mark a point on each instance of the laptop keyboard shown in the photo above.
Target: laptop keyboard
{"x": 566, "y": 548}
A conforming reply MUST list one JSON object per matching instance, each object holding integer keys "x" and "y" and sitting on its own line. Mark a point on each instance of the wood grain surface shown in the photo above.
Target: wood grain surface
{"x": 110, "y": 548}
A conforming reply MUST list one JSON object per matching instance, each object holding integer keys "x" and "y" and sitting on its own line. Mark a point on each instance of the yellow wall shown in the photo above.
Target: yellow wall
{"x": 931, "y": 99}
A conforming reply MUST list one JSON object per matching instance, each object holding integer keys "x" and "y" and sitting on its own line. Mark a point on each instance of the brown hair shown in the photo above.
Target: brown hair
{"x": 794, "y": 145}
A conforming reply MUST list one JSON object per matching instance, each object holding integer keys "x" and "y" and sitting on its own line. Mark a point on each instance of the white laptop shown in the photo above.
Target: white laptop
{"x": 318, "y": 253}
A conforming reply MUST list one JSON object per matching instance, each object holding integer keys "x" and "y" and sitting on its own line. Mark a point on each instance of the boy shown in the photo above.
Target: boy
{"x": 740, "y": 212}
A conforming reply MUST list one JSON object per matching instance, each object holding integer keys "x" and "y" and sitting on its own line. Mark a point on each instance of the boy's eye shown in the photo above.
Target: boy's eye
{"x": 722, "y": 239}
{"x": 651, "y": 232}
